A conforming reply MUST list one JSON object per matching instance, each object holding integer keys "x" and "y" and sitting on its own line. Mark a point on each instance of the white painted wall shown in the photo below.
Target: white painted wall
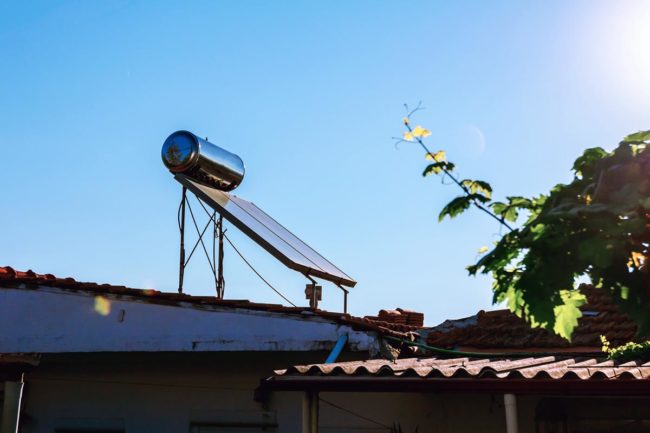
{"x": 167, "y": 393}
{"x": 50, "y": 320}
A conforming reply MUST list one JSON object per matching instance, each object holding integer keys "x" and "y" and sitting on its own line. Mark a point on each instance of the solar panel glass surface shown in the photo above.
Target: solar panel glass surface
{"x": 268, "y": 233}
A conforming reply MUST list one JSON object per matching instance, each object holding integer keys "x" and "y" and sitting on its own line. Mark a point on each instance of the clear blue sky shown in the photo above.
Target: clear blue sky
{"x": 309, "y": 94}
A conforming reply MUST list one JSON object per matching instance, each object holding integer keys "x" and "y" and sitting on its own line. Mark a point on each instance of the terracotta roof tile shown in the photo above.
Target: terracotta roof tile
{"x": 547, "y": 367}
{"x": 502, "y": 329}
{"x": 406, "y": 320}
{"x": 10, "y": 278}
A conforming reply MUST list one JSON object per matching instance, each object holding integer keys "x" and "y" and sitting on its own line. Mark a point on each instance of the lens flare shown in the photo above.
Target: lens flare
{"x": 102, "y": 306}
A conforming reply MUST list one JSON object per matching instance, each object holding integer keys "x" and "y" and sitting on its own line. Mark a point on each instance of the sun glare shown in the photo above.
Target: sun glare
{"x": 621, "y": 47}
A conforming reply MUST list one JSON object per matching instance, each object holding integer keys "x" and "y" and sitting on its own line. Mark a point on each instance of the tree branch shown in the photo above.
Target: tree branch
{"x": 467, "y": 192}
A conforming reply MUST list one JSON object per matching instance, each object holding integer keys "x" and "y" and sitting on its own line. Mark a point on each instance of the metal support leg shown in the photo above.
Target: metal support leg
{"x": 220, "y": 281}
{"x": 345, "y": 298}
{"x": 310, "y": 412}
{"x": 510, "y": 403}
{"x": 181, "y": 269}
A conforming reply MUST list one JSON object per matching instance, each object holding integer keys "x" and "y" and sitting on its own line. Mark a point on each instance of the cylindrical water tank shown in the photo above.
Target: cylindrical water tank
{"x": 184, "y": 152}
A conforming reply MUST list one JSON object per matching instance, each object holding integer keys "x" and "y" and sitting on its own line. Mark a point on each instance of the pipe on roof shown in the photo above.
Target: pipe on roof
{"x": 338, "y": 348}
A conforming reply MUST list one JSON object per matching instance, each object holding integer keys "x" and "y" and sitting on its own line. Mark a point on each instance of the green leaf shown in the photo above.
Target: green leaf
{"x": 498, "y": 207}
{"x": 510, "y": 211}
{"x": 455, "y": 207}
{"x": 438, "y": 167}
{"x": 567, "y": 314}
{"x": 588, "y": 158}
{"x": 595, "y": 251}
{"x": 537, "y": 230}
{"x": 520, "y": 202}
{"x": 478, "y": 187}
{"x": 511, "y": 214}
{"x": 514, "y": 300}
{"x": 483, "y": 188}
{"x": 630, "y": 351}
{"x": 637, "y": 137}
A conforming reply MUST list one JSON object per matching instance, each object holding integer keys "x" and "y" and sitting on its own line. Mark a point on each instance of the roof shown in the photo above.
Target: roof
{"x": 10, "y": 278}
{"x": 404, "y": 319}
{"x": 531, "y": 375}
{"x": 546, "y": 367}
{"x": 12, "y": 366}
{"x": 501, "y": 329}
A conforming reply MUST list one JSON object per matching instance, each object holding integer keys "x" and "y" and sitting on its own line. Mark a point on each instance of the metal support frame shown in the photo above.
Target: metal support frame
{"x": 315, "y": 290}
{"x": 219, "y": 233}
{"x": 216, "y": 262}
{"x": 181, "y": 226}
{"x": 345, "y": 297}
{"x": 313, "y": 300}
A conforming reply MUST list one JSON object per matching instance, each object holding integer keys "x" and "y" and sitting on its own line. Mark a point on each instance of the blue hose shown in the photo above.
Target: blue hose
{"x": 338, "y": 348}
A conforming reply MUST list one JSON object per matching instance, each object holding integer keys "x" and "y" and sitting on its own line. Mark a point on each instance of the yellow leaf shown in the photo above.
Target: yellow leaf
{"x": 483, "y": 250}
{"x": 439, "y": 156}
{"x": 406, "y": 120}
{"x": 408, "y": 136}
{"x": 421, "y": 132}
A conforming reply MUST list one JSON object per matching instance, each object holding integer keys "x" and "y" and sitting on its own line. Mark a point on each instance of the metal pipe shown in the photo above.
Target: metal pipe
{"x": 310, "y": 412}
{"x": 314, "y": 413}
{"x": 220, "y": 281}
{"x": 338, "y": 348}
{"x": 345, "y": 298}
{"x": 510, "y": 404}
{"x": 13, "y": 394}
{"x": 181, "y": 269}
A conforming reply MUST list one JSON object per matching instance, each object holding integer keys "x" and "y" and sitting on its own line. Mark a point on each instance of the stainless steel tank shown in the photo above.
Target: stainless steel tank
{"x": 184, "y": 152}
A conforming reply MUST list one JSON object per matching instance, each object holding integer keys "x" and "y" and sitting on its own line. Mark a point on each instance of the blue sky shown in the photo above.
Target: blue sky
{"x": 309, "y": 94}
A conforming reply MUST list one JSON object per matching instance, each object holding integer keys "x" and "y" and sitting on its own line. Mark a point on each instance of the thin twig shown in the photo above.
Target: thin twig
{"x": 413, "y": 111}
{"x": 452, "y": 177}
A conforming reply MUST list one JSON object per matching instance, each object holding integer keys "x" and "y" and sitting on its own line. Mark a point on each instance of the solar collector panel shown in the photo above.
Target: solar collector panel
{"x": 268, "y": 233}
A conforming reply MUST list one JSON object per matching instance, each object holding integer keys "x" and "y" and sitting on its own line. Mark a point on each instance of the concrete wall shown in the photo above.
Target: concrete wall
{"x": 168, "y": 393}
{"x": 146, "y": 392}
{"x": 50, "y": 320}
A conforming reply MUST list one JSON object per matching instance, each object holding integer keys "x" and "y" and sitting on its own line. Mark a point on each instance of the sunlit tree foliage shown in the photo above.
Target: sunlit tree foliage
{"x": 596, "y": 227}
